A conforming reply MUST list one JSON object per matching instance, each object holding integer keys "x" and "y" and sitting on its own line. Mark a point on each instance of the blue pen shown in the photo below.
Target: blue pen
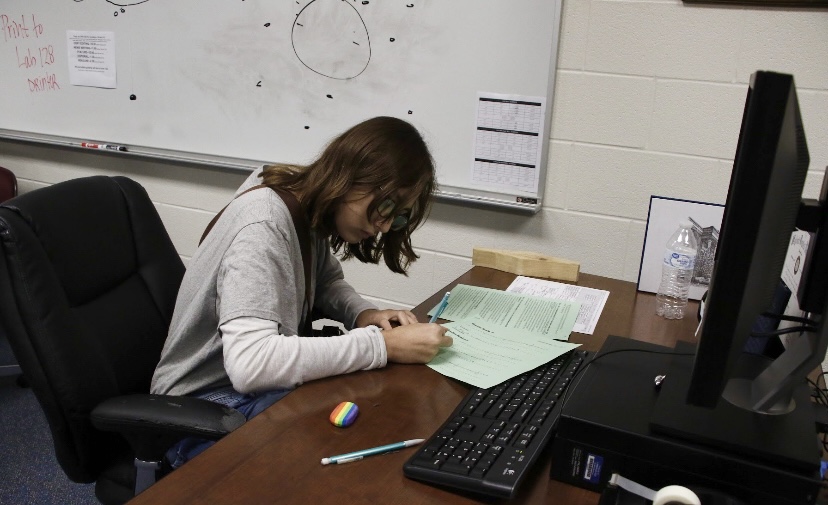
{"x": 441, "y": 307}
{"x": 358, "y": 455}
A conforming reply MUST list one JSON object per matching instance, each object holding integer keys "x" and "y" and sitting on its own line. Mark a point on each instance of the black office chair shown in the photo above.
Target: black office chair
{"x": 88, "y": 281}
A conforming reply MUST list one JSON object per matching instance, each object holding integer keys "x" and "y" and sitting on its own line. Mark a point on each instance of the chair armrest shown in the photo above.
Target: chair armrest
{"x": 152, "y": 423}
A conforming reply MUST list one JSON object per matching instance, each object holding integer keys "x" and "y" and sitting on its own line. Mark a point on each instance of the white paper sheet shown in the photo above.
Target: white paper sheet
{"x": 592, "y": 300}
{"x": 91, "y": 58}
{"x": 791, "y": 276}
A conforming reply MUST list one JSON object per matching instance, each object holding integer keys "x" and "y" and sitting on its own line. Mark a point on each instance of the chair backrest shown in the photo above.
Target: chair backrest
{"x": 8, "y": 184}
{"x": 88, "y": 281}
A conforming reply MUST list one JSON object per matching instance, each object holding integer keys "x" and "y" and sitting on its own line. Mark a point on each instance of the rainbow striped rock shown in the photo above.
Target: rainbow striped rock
{"x": 344, "y": 414}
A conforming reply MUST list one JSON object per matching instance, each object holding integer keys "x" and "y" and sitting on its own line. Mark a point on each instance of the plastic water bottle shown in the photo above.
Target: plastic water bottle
{"x": 677, "y": 272}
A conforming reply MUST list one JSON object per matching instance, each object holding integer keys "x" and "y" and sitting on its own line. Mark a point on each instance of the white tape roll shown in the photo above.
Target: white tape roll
{"x": 675, "y": 495}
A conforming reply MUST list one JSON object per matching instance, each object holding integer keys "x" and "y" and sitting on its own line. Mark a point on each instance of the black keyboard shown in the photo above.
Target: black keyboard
{"x": 490, "y": 441}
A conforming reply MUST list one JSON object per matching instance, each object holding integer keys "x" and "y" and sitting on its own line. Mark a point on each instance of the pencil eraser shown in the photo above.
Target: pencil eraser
{"x": 344, "y": 414}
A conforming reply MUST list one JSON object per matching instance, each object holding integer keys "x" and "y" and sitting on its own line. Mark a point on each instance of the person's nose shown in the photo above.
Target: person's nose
{"x": 384, "y": 225}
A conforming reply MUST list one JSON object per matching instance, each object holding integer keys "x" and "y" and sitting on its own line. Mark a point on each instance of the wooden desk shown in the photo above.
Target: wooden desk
{"x": 275, "y": 457}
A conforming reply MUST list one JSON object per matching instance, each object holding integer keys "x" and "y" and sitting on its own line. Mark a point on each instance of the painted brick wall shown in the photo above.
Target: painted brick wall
{"x": 648, "y": 101}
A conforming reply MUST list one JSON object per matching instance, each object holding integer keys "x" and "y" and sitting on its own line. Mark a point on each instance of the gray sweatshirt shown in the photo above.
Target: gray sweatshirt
{"x": 241, "y": 302}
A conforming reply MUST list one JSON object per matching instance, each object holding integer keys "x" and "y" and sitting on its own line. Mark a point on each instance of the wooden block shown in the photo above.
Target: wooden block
{"x": 527, "y": 263}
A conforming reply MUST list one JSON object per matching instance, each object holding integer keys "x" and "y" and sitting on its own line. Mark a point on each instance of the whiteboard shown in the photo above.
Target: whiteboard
{"x": 270, "y": 80}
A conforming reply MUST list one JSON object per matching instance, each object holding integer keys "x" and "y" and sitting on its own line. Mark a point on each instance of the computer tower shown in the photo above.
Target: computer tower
{"x": 606, "y": 427}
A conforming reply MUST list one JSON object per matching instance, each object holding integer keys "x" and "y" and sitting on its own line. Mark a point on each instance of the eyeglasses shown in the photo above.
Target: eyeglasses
{"x": 386, "y": 211}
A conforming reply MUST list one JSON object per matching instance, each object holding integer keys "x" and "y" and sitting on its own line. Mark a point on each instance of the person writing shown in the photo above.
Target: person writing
{"x": 240, "y": 332}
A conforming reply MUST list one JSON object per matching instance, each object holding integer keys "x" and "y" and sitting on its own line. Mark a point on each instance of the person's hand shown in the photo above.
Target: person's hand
{"x": 415, "y": 343}
{"x": 385, "y": 319}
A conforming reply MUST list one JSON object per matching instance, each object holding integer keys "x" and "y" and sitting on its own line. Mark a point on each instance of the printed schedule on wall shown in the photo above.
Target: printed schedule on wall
{"x": 508, "y": 142}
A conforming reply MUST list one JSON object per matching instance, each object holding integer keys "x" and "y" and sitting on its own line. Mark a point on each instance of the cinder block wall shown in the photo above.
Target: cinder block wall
{"x": 648, "y": 101}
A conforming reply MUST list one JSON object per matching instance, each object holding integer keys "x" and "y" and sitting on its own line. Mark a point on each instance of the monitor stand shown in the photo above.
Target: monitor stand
{"x": 787, "y": 439}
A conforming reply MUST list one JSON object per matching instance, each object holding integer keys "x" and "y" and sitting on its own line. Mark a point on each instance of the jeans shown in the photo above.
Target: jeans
{"x": 248, "y": 404}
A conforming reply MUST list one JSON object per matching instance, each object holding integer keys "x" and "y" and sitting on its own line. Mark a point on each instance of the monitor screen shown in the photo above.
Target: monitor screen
{"x": 760, "y": 214}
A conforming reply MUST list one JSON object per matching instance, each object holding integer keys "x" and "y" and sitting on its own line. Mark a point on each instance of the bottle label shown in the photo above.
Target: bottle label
{"x": 678, "y": 260}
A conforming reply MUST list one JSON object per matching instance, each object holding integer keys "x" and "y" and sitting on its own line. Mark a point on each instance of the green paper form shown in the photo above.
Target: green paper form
{"x": 543, "y": 316}
{"x": 499, "y": 335}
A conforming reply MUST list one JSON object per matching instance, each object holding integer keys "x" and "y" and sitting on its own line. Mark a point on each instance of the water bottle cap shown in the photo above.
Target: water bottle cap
{"x": 686, "y": 224}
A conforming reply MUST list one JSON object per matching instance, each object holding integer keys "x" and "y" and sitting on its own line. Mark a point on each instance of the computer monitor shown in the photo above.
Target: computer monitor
{"x": 730, "y": 398}
{"x": 706, "y": 414}
{"x": 763, "y": 208}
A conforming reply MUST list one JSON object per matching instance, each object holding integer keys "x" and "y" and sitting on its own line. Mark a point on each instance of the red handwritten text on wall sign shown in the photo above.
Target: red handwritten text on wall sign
{"x": 29, "y": 52}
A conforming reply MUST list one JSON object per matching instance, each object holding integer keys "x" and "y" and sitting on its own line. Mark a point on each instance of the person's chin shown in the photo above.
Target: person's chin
{"x": 365, "y": 237}
{"x": 354, "y": 239}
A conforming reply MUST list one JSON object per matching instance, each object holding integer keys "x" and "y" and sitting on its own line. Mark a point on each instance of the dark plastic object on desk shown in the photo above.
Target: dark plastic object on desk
{"x": 8, "y": 184}
{"x": 8, "y": 190}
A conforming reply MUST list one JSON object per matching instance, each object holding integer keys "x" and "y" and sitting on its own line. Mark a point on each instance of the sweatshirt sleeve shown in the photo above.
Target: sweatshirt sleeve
{"x": 258, "y": 358}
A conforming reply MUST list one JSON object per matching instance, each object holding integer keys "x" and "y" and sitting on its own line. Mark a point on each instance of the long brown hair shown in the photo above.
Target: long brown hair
{"x": 384, "y": 153}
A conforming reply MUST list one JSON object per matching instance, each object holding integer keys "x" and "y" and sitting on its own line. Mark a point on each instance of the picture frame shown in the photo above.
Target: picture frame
{"x": 765, "y": 3}
{"x": 663, "y": 219}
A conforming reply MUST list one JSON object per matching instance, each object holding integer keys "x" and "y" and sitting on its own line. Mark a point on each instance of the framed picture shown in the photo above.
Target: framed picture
{"x": 765, "y": 3}
{"x": 663, "y": 220}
